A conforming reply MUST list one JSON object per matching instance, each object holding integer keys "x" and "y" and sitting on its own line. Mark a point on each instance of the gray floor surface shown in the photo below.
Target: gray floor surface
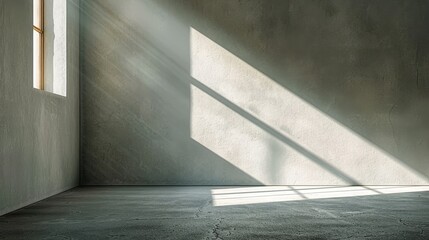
{"x": 189, "y": 213}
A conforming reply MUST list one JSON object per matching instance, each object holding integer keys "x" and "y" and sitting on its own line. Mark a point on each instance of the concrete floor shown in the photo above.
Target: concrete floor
{"x": 240, "y": 213}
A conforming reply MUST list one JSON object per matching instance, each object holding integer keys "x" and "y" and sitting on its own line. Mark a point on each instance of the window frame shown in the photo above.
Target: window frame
{"x": 40, "y": 32}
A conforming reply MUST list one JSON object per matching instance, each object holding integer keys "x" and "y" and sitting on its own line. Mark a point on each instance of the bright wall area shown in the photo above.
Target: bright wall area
{"x": 55, "y": 67}
{"x": 39, "y": 131}
{"x": 255, "y": 92}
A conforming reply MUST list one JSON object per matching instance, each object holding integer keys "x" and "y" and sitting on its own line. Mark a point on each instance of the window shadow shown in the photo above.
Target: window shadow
{"x": 335, "y": 61}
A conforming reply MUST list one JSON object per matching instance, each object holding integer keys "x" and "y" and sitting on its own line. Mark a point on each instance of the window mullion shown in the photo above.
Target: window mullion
{"x": 42, "y": 45}
{"x": 37, "y": 29}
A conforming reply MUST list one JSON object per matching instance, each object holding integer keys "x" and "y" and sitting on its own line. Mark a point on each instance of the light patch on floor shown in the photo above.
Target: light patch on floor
{"x": 270, "y": 194}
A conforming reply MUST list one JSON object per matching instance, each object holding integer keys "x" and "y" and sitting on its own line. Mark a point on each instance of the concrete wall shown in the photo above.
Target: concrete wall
{"x": 39, "y": 131}
{"x": 254, "y": 92}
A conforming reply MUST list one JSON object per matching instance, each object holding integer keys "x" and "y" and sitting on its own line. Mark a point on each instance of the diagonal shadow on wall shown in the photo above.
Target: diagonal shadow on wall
{"x": 348, "y": 60}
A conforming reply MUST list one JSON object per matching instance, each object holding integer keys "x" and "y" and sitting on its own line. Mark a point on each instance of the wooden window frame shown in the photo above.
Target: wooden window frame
{"x": 40, "y": 31}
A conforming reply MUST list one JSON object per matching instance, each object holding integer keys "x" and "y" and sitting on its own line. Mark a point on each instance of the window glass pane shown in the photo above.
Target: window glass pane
{"x": 37, "y": 13}
{"x": 37, "y": 64}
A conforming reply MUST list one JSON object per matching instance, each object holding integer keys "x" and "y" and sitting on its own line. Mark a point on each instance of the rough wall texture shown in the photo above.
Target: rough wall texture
{"x": 254, "y": 92}
{"x": 39, "y": 131}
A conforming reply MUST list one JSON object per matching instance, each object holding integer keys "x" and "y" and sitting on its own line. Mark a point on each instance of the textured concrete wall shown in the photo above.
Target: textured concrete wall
{"x": 39, "y": 131}
{"x": 255, "y": 92}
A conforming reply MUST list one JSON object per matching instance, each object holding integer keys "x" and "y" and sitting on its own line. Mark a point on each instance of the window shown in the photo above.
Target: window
{"x": 38, "y": 44}
{"x": 50, "y": 46}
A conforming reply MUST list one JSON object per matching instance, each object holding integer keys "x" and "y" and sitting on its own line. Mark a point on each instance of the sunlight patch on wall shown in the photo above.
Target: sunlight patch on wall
{"x": 249, "y": 195}
{"x": 246, "y": 145}
{"x": 273, "y": 135}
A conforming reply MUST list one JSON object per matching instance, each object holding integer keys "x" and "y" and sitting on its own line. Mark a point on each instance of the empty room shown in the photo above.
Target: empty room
{"x": 214, "y": 119}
